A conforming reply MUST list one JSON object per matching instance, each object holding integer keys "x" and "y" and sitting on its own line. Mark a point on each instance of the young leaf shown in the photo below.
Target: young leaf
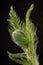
{"x": 30, "y": 29}
{"x": 24, "y": 36}
{"x": 20, "y": 39}
{"x": 14, "y": 20}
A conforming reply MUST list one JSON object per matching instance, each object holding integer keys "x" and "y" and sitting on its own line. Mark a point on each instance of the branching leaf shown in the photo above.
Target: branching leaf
{"x": 14, "y": 19}
{"x": 25, "y": 36}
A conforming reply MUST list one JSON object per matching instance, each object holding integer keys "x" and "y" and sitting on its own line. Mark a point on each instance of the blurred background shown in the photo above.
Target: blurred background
{"x": 21, "y": 7}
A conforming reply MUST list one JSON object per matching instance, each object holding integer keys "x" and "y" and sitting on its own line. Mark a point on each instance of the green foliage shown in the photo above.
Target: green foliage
{"x": 25, "y": 37}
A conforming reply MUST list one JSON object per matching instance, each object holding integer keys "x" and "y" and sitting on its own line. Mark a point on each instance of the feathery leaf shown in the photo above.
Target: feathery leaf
{"x": 24, "y": 36}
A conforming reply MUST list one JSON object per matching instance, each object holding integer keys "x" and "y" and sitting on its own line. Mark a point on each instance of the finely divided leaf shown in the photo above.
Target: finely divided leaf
{"x": 24, "y": 36}
{"x": 14, "y": 19}
{"x": 30, "y": 28}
